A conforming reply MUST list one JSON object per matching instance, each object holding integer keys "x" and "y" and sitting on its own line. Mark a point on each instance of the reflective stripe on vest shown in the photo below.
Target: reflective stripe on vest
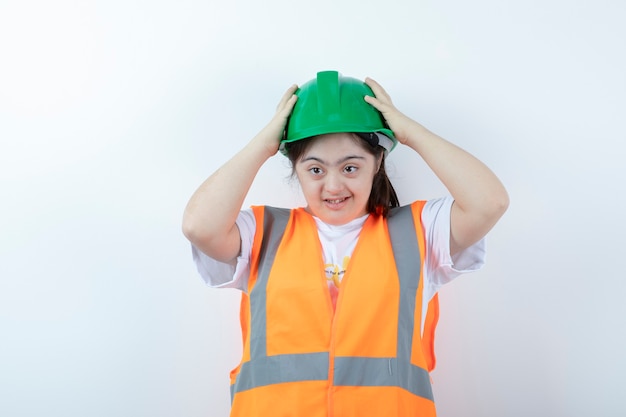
{"x": 398, "y": 371}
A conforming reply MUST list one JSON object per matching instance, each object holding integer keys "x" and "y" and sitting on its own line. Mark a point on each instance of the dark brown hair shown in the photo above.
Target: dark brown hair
{"x": 383, "y": 196}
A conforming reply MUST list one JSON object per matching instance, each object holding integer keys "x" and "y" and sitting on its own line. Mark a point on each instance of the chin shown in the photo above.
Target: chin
{"x": 336, "y": 219}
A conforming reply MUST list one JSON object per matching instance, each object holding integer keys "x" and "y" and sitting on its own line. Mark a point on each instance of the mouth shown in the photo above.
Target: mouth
{"x": 335, "y": 202}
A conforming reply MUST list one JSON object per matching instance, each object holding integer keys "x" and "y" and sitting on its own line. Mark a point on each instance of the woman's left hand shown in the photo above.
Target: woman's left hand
{"x": 400, "y": 124}
{"x": 479, "y": 197}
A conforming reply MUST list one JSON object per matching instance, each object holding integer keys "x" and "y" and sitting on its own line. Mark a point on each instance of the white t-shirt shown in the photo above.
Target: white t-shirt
{"x": 338, "y": 242}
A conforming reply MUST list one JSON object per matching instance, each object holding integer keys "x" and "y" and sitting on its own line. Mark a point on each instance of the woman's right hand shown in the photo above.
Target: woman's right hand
{"x": 210, "y": 215}
{"x": 272, "y": 133}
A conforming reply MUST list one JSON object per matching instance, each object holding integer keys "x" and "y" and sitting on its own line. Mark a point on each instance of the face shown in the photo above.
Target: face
{"x": 336, "y": 176}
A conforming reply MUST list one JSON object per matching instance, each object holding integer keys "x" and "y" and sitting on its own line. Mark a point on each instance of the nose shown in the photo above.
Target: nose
{"x": 333, "y": 183}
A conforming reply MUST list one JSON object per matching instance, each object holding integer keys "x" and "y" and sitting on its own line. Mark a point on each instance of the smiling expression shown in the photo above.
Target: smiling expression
{"x": 336, "y": 175}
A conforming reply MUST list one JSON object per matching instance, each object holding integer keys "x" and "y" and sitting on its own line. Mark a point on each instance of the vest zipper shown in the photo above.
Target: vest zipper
{"x": 331, "y": 350}
{"x": 332, "y": 311}
{"x": 331, "y": 355}
{"x": 337, "y": 309}
{"x": 331, "y": 347}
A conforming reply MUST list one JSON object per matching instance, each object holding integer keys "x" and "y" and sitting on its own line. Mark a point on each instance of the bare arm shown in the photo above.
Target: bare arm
{"x": 209, "y": 218}
{"x": 480, "y": 199}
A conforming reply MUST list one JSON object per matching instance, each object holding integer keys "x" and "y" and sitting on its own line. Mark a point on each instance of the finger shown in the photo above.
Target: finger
{"x": 378, "y": 104}
{"x": 373, "y": 101}
{"x": 378, "y": 90}
{"x": 288, "y": 107}
{"x": 289, "y": 94}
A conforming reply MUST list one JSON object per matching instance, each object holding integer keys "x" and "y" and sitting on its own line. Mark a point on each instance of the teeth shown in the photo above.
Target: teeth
{"x": 336, "y": 201}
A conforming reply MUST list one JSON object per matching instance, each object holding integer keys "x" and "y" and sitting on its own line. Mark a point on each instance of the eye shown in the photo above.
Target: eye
{"x": 315, "y": 170}
{"x": 350, "y": 169}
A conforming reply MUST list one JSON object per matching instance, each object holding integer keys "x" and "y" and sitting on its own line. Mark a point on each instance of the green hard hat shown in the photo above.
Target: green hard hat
{"x": 332, "y": 103}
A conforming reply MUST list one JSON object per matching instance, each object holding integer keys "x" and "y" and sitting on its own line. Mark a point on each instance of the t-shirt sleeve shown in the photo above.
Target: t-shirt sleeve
{"x": 234, "y": 274}
{"x": 440, "y": 267}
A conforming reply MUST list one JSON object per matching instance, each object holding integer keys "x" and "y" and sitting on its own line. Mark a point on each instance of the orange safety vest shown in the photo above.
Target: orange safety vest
{"x": 365, "y": 359}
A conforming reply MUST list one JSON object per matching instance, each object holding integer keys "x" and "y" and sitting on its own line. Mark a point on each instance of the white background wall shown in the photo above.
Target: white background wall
{"x": 112, "y": 112}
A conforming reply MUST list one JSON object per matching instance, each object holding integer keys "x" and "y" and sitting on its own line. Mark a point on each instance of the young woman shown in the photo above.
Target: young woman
{"x": 339, "y": 297}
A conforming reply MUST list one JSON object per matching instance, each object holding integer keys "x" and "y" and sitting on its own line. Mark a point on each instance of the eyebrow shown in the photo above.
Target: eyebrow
{"x": 339, "y": 162}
